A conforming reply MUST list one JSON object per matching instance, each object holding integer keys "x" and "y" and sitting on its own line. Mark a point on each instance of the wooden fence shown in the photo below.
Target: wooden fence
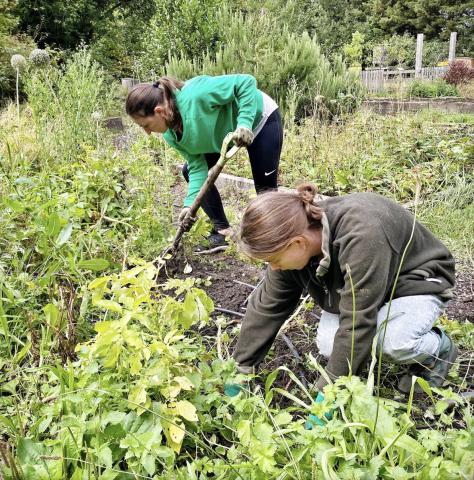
{"x": 379, "y": 80}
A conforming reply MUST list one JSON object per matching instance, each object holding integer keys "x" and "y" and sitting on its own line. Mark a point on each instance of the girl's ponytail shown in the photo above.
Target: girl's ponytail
{"x": 307, "y": 191}
{"x": 168, "y": 86}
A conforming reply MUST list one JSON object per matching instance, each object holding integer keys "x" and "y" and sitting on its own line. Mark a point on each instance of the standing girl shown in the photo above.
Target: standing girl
{"x": 195, "y": 116}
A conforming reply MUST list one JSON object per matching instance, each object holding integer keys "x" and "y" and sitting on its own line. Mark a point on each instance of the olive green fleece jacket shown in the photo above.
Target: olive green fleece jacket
{"x": 210, "y": 108}
{"x": 363, "y": 235}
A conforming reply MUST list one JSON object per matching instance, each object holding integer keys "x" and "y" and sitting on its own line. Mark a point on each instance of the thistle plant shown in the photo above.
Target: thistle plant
{"x": 18, "y": 62}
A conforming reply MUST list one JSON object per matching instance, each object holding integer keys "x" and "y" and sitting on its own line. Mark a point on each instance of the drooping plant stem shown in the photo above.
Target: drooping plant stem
{"x": 405, "y": 250}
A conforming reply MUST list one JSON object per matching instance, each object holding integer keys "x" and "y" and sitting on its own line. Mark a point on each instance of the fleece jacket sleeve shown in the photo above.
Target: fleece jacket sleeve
{"x": 240, "y": 88}
{"x": 269, "y": 306}
{"x": 365, "y": 258}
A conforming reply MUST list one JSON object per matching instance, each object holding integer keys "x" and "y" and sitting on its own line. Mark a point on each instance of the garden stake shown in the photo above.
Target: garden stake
{"x": 211, "y": 179}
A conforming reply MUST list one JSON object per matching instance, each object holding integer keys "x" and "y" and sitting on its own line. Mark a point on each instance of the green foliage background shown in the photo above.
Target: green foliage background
{"x": 137, "y": 37}
{"x": 10, "y": 44}
{"x": 104, "y": 371}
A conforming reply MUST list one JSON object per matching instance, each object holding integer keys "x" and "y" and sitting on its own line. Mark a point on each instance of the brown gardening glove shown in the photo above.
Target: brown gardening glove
{"x": 242, "y": 136}
{"x": 186, "y": 221}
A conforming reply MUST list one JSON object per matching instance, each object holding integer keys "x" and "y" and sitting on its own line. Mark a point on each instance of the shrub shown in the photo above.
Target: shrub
{"x": 187, "y": 28}
{"x": 432, "y": 89}
{"x": 280, "y": 61}
{"x": 459, "y": 73}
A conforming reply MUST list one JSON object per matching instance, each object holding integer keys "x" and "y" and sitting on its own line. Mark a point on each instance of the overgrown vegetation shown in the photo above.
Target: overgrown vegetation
{"x": 431, "y": 89}
{"x": 136, "y": 37}
{"x": 111, "y": 370}
{"x": 71, "y": 206}
{"x": 107, "y": 370}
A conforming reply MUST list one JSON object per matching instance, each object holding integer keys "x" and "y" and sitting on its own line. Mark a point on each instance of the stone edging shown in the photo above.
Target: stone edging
{"x": 386, "y": 106}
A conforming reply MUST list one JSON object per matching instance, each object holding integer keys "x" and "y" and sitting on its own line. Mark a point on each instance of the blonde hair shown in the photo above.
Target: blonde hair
{"x": 273, "y": 219}
{"x": 144, "y": 97}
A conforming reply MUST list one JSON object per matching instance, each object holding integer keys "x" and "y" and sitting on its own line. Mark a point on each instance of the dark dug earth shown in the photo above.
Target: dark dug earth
{"x": 231, "y": 284}
{"x": 228, "y": 291}
{"x": 462, "y": 306}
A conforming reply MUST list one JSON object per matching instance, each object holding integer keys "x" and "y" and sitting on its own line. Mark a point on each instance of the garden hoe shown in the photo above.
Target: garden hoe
{"x": 170, "y": 252}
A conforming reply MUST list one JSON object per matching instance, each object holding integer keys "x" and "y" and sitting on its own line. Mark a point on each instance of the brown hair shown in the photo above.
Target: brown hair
{"x": 144, "y": 97}
{"x": 272, "y": 219}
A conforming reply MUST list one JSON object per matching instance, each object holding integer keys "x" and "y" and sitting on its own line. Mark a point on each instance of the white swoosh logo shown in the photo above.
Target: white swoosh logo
{"x": 269, "y": 173}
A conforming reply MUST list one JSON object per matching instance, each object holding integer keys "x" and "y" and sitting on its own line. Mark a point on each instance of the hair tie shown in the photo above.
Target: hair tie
{"x": 156, "y": 84}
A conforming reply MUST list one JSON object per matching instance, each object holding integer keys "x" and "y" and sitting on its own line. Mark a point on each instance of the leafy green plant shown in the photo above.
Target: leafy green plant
{"x": 436, "y": 88}
{"x": 64, "y": 222}
{"x": 353, "y": 51}
{"x": 109, "y": 371}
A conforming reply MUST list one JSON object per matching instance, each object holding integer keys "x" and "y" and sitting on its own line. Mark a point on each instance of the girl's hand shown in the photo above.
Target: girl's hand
{"x": 242, "y": 137}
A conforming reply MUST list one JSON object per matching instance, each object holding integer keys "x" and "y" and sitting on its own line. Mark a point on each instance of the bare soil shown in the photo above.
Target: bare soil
{"x": 462, "y": 305}
{"x": 231, "y": 283}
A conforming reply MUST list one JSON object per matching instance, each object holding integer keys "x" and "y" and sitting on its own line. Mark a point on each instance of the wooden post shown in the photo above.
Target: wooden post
{"x": 452, "y": 47}
{"x": 128, "y": 83}
{"x": 419, "y": 55}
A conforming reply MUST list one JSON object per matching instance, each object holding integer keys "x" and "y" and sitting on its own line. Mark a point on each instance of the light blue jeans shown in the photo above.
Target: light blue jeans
{"x": 409, "y": 337}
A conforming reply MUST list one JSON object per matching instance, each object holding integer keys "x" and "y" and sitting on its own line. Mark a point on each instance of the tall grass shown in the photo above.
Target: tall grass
{"x": 63, "y": 101}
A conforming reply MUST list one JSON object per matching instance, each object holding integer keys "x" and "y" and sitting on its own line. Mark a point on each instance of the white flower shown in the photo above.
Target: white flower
{"x": 18, "y": 61}
{"x": 96, "y": 116}
{"x": 39, "y": 57}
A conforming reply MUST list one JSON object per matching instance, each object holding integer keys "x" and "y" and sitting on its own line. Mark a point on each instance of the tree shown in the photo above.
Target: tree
{"x": 67, "y": 23}
{"x": 288, "y": 66}
{"x": 332, "y": 21}
{"x": 434, "y": 18}
{"x": 187, "y": 28}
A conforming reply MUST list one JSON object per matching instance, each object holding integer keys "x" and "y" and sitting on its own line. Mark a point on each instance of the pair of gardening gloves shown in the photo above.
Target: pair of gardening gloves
{"x": 242, "y": 137}
{"x": 233, "y": 389}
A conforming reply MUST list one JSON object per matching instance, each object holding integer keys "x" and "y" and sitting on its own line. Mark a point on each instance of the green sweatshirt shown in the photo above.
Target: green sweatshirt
{"x": 364, "y": 234}
{"x": 210, "y": 108}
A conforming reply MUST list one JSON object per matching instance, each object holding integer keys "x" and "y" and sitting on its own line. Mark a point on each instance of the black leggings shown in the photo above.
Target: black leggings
{"x": 264, "y": 154}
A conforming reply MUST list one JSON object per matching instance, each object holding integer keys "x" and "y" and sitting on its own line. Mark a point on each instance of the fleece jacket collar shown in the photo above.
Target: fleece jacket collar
{"x": 325, "y": 262}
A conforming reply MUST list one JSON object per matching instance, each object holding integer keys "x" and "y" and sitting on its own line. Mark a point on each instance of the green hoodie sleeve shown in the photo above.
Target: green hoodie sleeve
{"x": 268, "y": 308}
{"x": 197, "y": 170}
{"x": 365, "y": 257}
{"x": 242, "y": 88}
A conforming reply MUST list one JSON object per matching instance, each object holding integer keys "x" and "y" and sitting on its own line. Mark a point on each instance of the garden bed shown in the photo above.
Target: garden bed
{"x": 388, "y": 106}
{"x": 232, "y": 281}
{"x": 229, "y": 282}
